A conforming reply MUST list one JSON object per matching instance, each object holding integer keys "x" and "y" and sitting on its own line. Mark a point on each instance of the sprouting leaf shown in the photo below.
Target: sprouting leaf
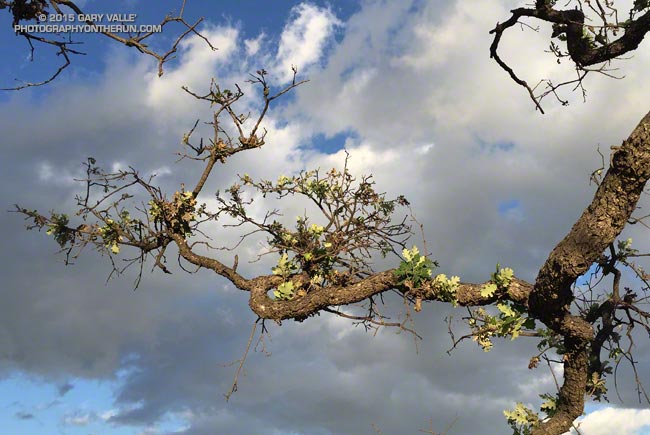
{"x": 521, "y": 419}
{"x": 506, "y": 310}
{"x": 316, "y": 229}
{"x": 518, "y": 415}
{"x": 549, "y": 407}
{"x": 484, "y": 341}
{"x": 488, "y": 290}
{"x": 409, "y": 255}
{"x": 282, "y": 180}
{"x": 282, "y": 262}
{"x": 446, "y": 287}
{"x": 504, "y": 276}
{"x": 415, "y": 268}
{"x": 284, "y": 291}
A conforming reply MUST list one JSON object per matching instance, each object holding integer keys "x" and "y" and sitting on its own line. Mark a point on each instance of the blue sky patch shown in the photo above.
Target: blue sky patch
{"x": 584, "y": 278}
{"x": 331, "y": 144}
{"x": 511, "y": 209}
{"x": 499, "y": 145}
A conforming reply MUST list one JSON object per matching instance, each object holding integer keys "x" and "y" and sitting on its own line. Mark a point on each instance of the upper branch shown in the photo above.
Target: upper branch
{"x": 586, "y": 44}
{"x": 36, "y": 10}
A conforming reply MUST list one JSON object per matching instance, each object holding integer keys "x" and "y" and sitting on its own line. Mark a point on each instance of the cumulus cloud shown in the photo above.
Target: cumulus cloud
{"x": 615, "y": 420}
{"x": 303, "y": 39}
{"x": 48, "y": 174}
{"x": 199, "y": 65}
{"x": 253, "y": 45}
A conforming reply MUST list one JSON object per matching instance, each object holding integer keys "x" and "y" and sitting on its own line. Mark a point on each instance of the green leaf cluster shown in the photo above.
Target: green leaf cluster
{"x": 500, "y": 279}
{"x": 311, "y": 252}
{"x": 178, "y": 214}
{"x": 549, "y": 407}
{"x": 522, "y": 420}
{"x": 596, "y": 386}
{"x": 284, "y": 291}
{"x": 285, "y": 268}
{"x": 415, "y": 268}
{"x": 550, "y": 339}
{"x": 283, "y": 181}
{"x": 111, "y": 235}
{"x": 357, "y": 221}
{"x": 509, "y": 322}
{"x": 446, "y": 288}
{"x": 482, "y": 334}
{"x": 58, "y": 227}
{"x": 310, "y": 242}
{"x": 625, "y": 249}
{"x": 318, "y": 188}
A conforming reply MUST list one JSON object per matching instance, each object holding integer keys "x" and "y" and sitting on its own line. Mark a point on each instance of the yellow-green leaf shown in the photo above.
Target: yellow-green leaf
{"x": 488, "y": 290}
{"x": 506, "y": 310}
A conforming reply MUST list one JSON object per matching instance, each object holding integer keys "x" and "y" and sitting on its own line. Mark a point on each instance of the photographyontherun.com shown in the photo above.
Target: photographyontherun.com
{"x": 87, "y": 28}
{"x": 87, "y": 23}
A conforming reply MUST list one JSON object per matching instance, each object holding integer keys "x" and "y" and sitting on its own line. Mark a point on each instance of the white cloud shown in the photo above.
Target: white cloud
{"x": 161, "y": 171}
{"x": 545, "y": 382}
{"x": 197, "y": 66}
{"x": 150, "y": 431}
{"x": 619, "y": 421}
{"x": 424, "y": 149}
{"x": 303, "y": 39}
{"x": 364, "y": 159}
{"x": 107, "y": 415}
{"x": 78, "y": 419}
{"x": 119, "y": 166}
{"x": 59, "y": 176}
{"x": 253, "y": 45}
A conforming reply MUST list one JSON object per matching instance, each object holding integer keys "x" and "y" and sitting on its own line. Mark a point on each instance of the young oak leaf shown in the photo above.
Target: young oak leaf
{"x": 488, "y": 290}
{"x": 284, "y": 291}
{"x": 506, "y": 310}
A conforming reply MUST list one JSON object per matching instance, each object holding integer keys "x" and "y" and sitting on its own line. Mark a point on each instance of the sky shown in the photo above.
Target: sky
{"x": 407, "y": 88}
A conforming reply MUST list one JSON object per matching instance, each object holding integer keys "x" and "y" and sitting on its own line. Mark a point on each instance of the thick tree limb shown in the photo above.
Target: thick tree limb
{"x": 600, "y": 224}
